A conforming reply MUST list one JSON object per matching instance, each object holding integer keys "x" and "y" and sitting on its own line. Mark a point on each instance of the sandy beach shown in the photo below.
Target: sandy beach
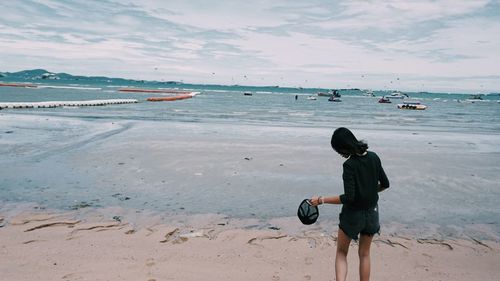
{"x": 54, "y": 246}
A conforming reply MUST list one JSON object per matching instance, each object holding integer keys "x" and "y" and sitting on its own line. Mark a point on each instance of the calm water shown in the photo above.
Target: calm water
{"x": 275, "y": 106}
{"x": 443, "y": 162}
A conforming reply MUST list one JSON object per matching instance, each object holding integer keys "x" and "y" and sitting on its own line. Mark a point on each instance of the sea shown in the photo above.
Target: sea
{"x": 250, "y": 153}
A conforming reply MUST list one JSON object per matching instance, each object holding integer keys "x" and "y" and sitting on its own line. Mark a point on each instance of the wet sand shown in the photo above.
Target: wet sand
{"x": 442, "y": 183}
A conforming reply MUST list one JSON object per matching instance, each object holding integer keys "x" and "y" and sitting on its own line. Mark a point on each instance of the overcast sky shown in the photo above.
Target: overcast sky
{"x": 424, "y": 45}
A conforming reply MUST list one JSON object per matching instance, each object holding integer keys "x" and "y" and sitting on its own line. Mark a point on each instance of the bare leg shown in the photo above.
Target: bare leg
{"x": 343, "y": 242}
{"x": 364, "y": 257}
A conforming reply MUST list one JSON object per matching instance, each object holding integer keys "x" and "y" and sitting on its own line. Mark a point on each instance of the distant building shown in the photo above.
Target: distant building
{"x": 50, "y": 76}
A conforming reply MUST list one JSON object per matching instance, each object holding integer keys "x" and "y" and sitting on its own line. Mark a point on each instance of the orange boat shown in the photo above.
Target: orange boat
{"x": 171, "y": 98}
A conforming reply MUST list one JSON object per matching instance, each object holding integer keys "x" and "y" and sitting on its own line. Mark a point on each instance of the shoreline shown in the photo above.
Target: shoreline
{"x": 327, "y": 223}
{"x": 48, "y": 246}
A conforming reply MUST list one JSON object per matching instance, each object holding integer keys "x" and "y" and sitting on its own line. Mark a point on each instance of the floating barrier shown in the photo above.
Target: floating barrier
{"x": 171, "y": 95}
{"x": 18, "y": 85}
{"x": 187, "y": 95}
{"x": 166, "y": 91}
{"x": 173, "y": 98}
{"x": 53, "y": 104}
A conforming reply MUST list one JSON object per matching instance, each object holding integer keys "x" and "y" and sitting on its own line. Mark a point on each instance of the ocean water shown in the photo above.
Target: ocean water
{"x": 253, "y": 156}
{"x": 447, "y": 112}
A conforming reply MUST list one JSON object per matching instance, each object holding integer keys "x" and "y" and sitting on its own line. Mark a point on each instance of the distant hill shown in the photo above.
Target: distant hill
{"x": 42, "y": 74}
{"x": 45, "y": 76}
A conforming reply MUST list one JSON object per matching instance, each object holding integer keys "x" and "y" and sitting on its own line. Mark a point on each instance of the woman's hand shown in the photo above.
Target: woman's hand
{"x": 315, "y": 200}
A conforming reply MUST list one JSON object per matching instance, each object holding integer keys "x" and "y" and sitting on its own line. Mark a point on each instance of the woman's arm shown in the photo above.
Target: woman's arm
{"x": 382, "y": 178}
{"x": 381, "y": 187}
{"x": 318, "y": 200}
{"x": 349, "y": 190}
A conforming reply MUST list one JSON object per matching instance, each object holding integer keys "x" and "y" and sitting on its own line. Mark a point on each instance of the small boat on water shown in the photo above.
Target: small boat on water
{"x": 368, "y": 93}
{"x": 384, "y": 100}
{"x": 397, "y": 95}
{"x": 247, "y": 93}
{"x": 412, "y": 106}
{"x": 476, "y": 97}
{"x": 331, "y": 93}
{"x": 336, "y": 94}
{"x": 311, "y": 98}
{"x": 323, "y": 94}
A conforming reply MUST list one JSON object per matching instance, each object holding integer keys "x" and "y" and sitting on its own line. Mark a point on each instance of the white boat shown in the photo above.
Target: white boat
{"x": 311, "y": 98}
{"x": 368, "y": 93}
{"x": 412, "y": 106}
{"x": 397, "y": 95}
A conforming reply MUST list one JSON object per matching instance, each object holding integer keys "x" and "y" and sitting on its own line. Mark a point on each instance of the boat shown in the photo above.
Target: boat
{"x": 368, "y": 93}
{"x": 311, "y": 98}
{"x": 476, "y": 97}
{"x": 397, "y": 95}
{"x": 334, "y": 99}
{"x": 384, "y": 100}
{"x": 336, "y": 94}
{"x": 412, "y": 106}
{"x": 331, "y": 93}
{"x": 247, "y": 93}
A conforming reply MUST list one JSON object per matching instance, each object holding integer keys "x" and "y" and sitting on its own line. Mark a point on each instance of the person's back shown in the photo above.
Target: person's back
{"x": 362, "y": 174}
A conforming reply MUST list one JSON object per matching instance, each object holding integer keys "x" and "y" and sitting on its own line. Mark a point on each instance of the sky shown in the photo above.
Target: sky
{"x": 424, "y": 45}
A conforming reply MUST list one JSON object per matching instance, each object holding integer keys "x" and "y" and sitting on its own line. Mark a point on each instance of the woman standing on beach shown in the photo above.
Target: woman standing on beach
{"x": 363, "y": 178}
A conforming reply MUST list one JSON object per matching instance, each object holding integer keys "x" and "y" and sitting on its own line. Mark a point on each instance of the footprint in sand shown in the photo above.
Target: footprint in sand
{"x": 72, "y": 277}
{"x": 276, "y": 277}
{"x": 309, "y": 260}
{"x": 150, "y": 262}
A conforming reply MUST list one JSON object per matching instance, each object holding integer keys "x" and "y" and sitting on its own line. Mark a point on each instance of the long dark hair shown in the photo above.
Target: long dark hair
{"x": 345, "y": 143}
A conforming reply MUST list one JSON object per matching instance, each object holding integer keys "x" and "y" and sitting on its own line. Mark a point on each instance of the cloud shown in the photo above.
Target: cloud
{"x": 285, "y": 42}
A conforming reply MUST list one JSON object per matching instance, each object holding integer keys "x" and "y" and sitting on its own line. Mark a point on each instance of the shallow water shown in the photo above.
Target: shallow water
{"x": 251, "y": 156}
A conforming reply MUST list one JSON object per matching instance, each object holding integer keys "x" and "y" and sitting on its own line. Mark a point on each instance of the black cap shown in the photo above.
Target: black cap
{"x": 307, "y": 213}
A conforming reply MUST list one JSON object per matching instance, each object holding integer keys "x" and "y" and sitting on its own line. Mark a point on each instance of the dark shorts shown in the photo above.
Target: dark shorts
{"x": 354, "y": 222}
